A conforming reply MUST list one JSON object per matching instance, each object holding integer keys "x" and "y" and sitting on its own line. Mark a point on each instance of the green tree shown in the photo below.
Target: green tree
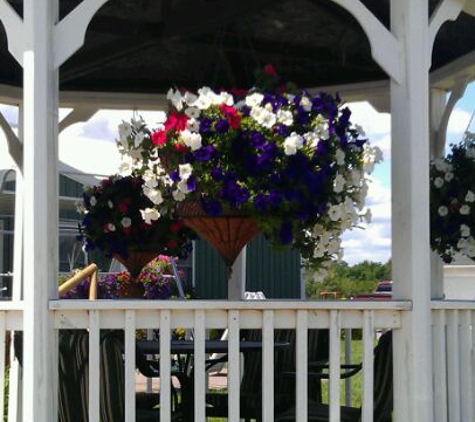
{"x": 348, "y": 280}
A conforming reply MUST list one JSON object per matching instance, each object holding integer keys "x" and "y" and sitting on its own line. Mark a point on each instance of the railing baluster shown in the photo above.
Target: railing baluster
{"x": 199, "y": 369}
{"x": 466, "y": 367}
{"x": 472, "y": 358}
{"x": 2, "y": 364}
{"x": 334, "y": 366}
{"x": 129, "y": 366}
{"x": 94, "y": 366}
{"x": 302, "y": 365}
{"x": 368, "y": 366}
{"x": 440, "y": 363}
{"x": 453, "y": 367}
{"x": 268, "y": 366}
{"x": 233, "y": 366}
{"x": 165, "y": 366}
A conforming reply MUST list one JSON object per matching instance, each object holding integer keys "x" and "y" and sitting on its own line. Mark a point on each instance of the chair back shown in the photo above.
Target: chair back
{"x": 383, "y": 378}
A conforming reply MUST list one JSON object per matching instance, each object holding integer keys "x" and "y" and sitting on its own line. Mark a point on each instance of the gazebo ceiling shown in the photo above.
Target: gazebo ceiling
{"x": 149, "y": 45}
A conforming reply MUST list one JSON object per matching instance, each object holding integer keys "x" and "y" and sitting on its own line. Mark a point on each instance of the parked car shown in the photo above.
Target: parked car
{"x": 383, "y": 291}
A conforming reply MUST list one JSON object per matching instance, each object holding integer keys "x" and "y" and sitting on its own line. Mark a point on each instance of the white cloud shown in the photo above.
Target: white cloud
{"x": 458, "y": 123}
{"x": 373, "y": 242}
{"x": 372, "y": 121}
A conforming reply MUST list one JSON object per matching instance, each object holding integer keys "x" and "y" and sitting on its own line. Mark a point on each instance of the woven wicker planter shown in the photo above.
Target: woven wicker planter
{"x": 228, "y": 234}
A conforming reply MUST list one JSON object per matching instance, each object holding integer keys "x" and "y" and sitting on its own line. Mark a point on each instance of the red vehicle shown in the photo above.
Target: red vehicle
{"x": 383, "y": 291}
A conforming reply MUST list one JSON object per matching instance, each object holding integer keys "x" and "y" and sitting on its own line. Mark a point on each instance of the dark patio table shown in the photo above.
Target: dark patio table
{"x": 187, "y": 347}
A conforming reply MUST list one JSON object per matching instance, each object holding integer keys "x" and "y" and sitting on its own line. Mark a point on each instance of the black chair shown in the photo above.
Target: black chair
{"x": 74, "y": 379}
{"x": 383, "y": 391}
{"x": 284, "y": 387}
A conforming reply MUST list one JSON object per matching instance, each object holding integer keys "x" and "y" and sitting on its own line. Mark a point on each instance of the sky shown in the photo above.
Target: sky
{"x": 372, "y": 242}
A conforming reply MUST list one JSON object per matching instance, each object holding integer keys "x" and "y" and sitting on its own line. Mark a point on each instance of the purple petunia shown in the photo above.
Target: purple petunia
{"x": 222, "y": 126}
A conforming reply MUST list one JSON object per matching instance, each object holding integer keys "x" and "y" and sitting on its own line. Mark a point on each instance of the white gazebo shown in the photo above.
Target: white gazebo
{"x": 401, "y": 55}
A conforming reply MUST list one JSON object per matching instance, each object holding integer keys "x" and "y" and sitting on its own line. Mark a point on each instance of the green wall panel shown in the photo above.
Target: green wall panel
{"x": 277, "y": 274}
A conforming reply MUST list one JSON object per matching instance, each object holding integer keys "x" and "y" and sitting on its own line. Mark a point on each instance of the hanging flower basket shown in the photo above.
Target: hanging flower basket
{"x": 228, "y": 234}
{"x": 120, "y": 220}
{"x": 291, "y": 161}
{"x": 453, "y": 202}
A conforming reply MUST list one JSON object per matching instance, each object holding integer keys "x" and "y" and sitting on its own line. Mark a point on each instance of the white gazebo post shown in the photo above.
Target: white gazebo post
{"x": 413, "y": 397}
{"x": 410, "y": 212}
{"x": 40, "y": 99}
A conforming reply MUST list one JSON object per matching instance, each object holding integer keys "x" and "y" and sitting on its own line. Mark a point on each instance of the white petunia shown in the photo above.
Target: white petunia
{"x": 339, "y": 183}
{"x": 319, "y": 251}
{"x": 93, "y": 201}
{"x": 183, "y": 186}
{"x": 334, "y": 212}
{"x": 443, "y": 211}
{"x": 448, "y": 176}
{"x": 149, "y": 215}
{"x": 306, "y": 104}
{"x": 190, "y": 98}
{"x": 125, "y": 130}
{"x": 340, "y": 157}
{"x": 176, "y": 98}
{"x": 191, "y": 139}
{"x": 110, "y": 204}
{"x": 226, "y": 98}
{"x": 126, "y": 222}
{"x": 356, "y": 177}
{"x": 334, "y": 246}
{"x": 254, "y": 100}
{"x": 110, "y": 227}
{"x": 293, "y": 143}
{"x": 193, "y": 125}
{"x": 368, "y": 216}
{"x": 178, "y": 195}
{"x": 185, "y": 171}
{"x": 150, "y": 179}
{"x": 440, "y": 165}
{"x": 153, "y": 194}
{"x": 470, "y": 197}
{"x": 464, "y": 230}
{"x": 285, "y": 117}
{"x": 438, "y": 182}
{"x": 312, "y": 139}
{"x": 465, "y": 210}
{"x": 192, "y": 112}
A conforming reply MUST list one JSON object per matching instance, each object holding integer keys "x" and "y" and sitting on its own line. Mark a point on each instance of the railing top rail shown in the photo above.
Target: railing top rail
{"x": 463, "y": 305}
{"x": 123, "y": 304}
{"x": 11, "y": 305}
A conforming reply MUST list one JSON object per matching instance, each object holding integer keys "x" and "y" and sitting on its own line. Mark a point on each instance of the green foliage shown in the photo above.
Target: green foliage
{"x": 348, "y": 280}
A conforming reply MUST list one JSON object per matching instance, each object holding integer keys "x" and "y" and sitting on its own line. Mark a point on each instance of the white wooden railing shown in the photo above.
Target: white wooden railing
{"x": 454, "y": 360}
{"x": 453, "y": 346}
{"x": 130, "y": 315}
{"x": 11, "y": 319}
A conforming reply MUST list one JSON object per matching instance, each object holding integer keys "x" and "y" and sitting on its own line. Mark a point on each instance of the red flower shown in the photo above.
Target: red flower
{"x": 172, "y": 244}
{"x": 122, "y": 207}
{"x": 176, "y": 121}
{"x": 234, "y": 120}
{"x": 127, "y": 230}
{"x": 180, "y": 148}
{"x": 232, "y": 116}
{"x": 159, "y": 137}
{"x": 270, "y": 70}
